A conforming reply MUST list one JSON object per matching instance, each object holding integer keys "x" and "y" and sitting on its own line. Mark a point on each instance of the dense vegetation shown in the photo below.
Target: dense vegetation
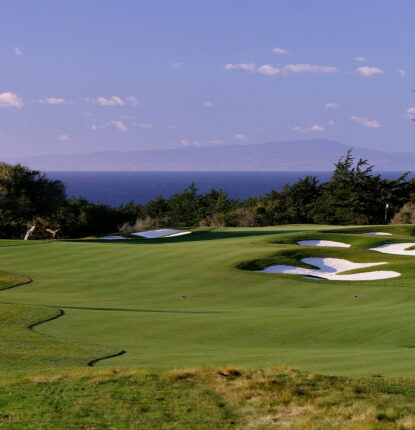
{"x": 32, "y": 204}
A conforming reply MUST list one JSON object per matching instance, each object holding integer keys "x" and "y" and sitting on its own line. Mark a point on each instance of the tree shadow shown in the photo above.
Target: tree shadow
{"x": 196, "y": 236}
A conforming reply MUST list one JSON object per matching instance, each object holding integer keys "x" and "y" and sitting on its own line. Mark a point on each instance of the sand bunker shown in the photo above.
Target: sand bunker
{"x": 329, "y": 269}
{"x": 113, "y": 237}
{"x": 181, "y": 233}
{"x": 395, "y": 248}
{"x": 165, "y": 232}
{"x": 378, "y": 233}
{"x": 324, "y": 243}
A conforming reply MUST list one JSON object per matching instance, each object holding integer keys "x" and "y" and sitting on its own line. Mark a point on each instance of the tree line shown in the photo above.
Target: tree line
{"x": 33, "y": 206}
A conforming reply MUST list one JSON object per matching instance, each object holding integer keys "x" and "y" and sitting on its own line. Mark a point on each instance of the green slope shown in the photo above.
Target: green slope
{"x": 127, "y": 296}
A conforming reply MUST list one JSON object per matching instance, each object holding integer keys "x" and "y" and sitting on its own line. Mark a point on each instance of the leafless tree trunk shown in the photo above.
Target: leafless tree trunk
{"x": 53, "y": 232}
{"x": 29, "y": 232}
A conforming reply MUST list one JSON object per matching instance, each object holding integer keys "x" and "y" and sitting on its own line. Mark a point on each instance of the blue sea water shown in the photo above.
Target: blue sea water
{"x": 116, "y": 188}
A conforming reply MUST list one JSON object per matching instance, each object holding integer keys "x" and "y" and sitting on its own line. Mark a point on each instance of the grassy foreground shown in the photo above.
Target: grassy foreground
{"x": 204, "y": 399}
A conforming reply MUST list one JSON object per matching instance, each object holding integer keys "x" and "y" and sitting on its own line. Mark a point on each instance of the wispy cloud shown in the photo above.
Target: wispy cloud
{"x": 187, "y": 142}
{"x": 177, "y": 64}
{"x": 313, "y": 128}
{"x": 134, "y": 101}
{"x": 271, "y": 70}
{"x": 119, "y": 125}
{"x": 208, "y": 104}
{"x": 17, "y": 51}
{"x": 402, "y": 72}
{"x": 279, "y": 50}
{"x": 240, "y": 136}
{"x": 249, "y": 67}
{"x": 64, "y": 137}
{"x": 410, "y": 113}
{"x": 369, "y": 71}
{"x": 115, "y": 101}
{"x": 331, "y": 106}
{"x": 111, "y": 101}
{"x": 145, "y": 125}
{"x": 10, "y": 100}
{"x": 360, "y": 59}
{"x": 52, "y": 101}
{"x": 365, "y": 122}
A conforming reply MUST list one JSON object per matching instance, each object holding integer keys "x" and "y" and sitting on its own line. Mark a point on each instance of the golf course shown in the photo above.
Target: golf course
{"x": 199, "y": 300}
{"x": 188, "y": 332}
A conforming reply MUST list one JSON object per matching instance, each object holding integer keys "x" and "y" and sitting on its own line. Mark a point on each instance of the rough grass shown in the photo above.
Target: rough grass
{"x": 205, "y": 399}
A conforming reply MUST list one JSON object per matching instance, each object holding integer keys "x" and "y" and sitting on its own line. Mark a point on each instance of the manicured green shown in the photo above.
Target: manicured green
{"x": 127, "y": 295}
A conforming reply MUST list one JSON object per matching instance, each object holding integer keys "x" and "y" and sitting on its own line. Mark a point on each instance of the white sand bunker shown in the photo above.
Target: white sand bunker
{"x": 395, "y": 248}
{"x": 113, "y": 237}
{"x": 378, "y": 233}
{"x": 165, "y": 232}
{"x": 329, "y": 268}
{"x": 324, "y": 243}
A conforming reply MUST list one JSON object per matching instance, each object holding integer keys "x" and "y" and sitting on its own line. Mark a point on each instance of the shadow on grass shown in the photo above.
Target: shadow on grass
{"x": 87, "y": 308}
{"x": 194, "y": 237}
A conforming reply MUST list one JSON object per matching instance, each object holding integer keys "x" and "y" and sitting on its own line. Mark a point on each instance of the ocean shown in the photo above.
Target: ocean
{"x": 117, "y": 188}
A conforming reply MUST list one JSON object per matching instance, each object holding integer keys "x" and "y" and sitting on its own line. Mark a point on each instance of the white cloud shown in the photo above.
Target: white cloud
{"x": 145, "y": 125}
{"x": 134, "y": 101}
{"x": 402, "y": 72}
{"x": 64, "y": 137}
{"x": 369, "y": 71}
{"x": 279, "y": 50}
{"x": 177, "y": 64}
{"x": 116, "y": 101}
{"x": 112, "y": 101}
{"x": 52, "y": 101}
{"x": 313, "y": 128}
{"x": 299, "y": 68}
{"x": 10, "y": 100}
{"x": 331, "y": 123}
{"x": 331, "y": 106}
{"x": 249, "y": 67}
{"x": 270, "y": 70}
{"x": 410, "y": 113}
{"x": 186, "y": 142}
{"x": 119, "y": 125}
{"x": 17, "y": 51}
{"x": 240, "y": 136}
{"x": 208, "y": 104}
{"x": 360, "y": 59}
{"x": 365, "y": 122}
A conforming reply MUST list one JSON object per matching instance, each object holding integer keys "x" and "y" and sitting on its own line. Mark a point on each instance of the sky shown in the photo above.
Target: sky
{"x": 97, "y": 75}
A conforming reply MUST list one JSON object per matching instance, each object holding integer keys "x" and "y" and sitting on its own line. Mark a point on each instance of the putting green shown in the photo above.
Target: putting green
{"x": 189, "y": 301}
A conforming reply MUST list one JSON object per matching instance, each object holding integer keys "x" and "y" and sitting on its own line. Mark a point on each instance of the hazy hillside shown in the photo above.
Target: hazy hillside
{"x": 318, "y": 154}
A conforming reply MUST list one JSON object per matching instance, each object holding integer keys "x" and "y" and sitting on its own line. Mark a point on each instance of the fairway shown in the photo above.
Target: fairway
{"x": 197, "y": 300}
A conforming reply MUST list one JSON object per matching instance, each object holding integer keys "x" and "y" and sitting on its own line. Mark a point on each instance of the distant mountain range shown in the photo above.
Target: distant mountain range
{"x": 303, "y": 155}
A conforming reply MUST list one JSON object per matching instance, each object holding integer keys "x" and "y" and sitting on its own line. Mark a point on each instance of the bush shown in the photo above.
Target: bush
{"x": 406, "y": 215}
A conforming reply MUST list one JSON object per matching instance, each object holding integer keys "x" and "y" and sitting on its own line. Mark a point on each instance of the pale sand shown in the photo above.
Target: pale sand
{"x": 329, "y": 269}
{"x": 395, "y": 248}
{"x": 324, "y": 243}
{"x": 182, "y": 233}
{"x": 113, "y": 237}
{"x": 378, "y": 233}
{"x": 155, "y": 234}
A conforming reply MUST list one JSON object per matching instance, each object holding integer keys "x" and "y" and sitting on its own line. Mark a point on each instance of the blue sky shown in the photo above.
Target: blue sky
{"x": 92, "y": 75}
